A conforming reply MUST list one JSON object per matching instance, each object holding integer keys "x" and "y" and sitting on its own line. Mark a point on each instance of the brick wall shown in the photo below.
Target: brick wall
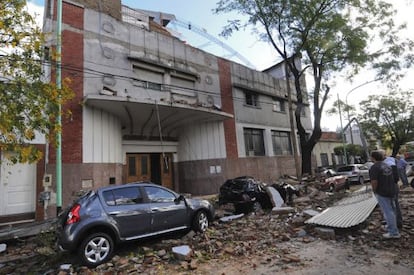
{"x": 72, "y": 68}
{"x": 228, "y": 107}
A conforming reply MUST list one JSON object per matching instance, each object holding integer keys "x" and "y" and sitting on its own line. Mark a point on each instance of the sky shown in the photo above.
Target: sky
{"x": 261, "y": 55}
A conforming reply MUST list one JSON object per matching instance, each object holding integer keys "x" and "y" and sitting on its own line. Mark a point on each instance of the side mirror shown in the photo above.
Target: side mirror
{"x": 180, "y": 198}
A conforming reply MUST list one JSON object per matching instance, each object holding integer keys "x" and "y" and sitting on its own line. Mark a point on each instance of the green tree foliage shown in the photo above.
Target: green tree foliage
{"x": 328, "y": 35}
{"x": 27, "y": 105}
{"x": 390, "y": 118}
{"x": 355, "y": 150}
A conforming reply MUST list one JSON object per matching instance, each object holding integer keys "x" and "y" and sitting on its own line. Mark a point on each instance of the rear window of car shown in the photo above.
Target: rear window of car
{"x": 345, "y": 169}
{"x": 123, "y": 196}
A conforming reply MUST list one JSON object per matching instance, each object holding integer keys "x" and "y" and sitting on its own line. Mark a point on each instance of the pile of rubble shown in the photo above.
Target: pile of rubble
{"x": 268, "y": 237}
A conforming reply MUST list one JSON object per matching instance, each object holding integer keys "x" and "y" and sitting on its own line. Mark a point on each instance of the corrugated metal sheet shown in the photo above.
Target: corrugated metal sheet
{"x": 348, "y": 212}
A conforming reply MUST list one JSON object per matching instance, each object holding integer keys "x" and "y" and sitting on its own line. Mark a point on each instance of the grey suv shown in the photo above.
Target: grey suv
{"x": 110, "y": 215}
{"x": 356, "y": 173}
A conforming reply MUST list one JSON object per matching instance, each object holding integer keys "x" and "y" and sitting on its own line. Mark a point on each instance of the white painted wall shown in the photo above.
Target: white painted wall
{"x": 102, "y": 139}
{"x": 17, "y": 187}
{"x": 202, "y": 141}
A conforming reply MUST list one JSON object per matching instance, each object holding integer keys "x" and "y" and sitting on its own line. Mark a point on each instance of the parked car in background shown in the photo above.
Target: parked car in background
{"x": 325, "y": 172}
{"x": 369, "y": 164}
{"x": 356, "y": 173}
{"x": 334, "y": 183}
{"x": 101, "y": 219}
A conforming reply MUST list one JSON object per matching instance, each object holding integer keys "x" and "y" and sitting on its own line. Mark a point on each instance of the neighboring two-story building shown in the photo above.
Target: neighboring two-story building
{"x": 324, "y": 150}
{"x": 148, "y": 106}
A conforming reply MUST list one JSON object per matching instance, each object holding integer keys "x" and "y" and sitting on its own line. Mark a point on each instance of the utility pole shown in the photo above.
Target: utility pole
{"x": 342, "y": 131}
{"x": 293, "y": 135}
{"x": 59, "y": 116}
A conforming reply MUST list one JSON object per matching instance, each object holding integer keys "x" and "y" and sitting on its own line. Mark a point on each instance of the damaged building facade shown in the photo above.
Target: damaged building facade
{"x": 148, "y": 106}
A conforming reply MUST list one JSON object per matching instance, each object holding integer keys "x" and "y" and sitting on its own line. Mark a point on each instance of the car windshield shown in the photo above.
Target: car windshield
{"x": 345, "y": 169}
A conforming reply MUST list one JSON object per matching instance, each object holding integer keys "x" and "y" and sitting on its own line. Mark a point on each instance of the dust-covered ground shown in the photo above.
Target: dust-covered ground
{"x": 258, "y": 243}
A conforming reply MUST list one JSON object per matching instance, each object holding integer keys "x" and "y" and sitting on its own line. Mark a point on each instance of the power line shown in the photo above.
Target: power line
{"x": 95, "y": 74}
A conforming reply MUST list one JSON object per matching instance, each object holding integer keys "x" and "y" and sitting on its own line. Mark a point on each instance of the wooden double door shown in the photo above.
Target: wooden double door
{"x": 154, "y": 167}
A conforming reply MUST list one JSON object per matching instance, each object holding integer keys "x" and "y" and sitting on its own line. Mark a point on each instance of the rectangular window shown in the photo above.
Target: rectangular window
{"x": 148, "y": 79}
{"x": 324, "y": 159}
{"x": 281, "y": 143}
{"x": 252, "y": 99}
{"x": 178, "y": 82}
{"x": 278, "y": 105}
{"x": 144, "y": 165}
{"x": 131, "y": 167}
{"x": 253, "y": 140}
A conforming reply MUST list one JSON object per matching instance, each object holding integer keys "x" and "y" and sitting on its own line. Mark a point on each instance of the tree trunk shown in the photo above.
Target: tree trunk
{"x": 307, "y": 159}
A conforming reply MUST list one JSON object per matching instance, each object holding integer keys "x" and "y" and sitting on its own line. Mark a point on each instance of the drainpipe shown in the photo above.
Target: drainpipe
{"x": 59, "y": 116}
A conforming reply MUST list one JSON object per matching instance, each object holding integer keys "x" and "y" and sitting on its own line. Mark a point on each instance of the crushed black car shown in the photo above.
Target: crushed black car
{"x": 249, "y": 195}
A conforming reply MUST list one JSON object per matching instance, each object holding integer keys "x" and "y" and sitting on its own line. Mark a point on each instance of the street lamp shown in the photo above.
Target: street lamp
{"x": 346, "y": 102}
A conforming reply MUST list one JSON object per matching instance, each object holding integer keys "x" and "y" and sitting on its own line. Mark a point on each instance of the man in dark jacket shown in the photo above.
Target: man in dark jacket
{"x": 385, "y": 190}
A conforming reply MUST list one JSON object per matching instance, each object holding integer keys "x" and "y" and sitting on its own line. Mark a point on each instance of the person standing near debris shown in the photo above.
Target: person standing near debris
{"x": 392, "y": 162}
{"x": 385, "y": 190}
{"x": 402, "y": 166}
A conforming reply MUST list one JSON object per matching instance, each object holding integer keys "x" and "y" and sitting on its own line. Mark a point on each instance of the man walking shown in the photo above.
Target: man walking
{"x": 385, "y": 190}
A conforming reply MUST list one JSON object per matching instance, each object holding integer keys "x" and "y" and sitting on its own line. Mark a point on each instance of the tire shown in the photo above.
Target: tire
{"x": 361, "y": 180}
{"x": 332, "y": 188}
{"x": 200, "y": 222}
{"x": 96, "y": 249}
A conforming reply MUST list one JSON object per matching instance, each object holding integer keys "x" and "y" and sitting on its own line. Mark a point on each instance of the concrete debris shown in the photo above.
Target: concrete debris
{"x": 183, "y": 252}
{"x": 65, "y": 267}
{"x": 283, "y": 210}
{"x": 275, "y": 197}
{"x": 310, "y": 212}
{"x": 231, "y": 218}
{"x": 325, "y": 233}
{"x": 276, "y": 240}
{"x": 3, "y": 247}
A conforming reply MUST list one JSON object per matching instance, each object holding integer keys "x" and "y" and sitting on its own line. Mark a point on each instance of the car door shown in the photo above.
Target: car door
{"x": 128, "y": 209}
{"x": 364, "y": 170}
{"x": 167, "y": 213}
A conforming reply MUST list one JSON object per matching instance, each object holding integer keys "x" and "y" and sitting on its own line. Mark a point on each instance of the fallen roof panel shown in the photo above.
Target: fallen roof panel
{"x": 348, "y": 212}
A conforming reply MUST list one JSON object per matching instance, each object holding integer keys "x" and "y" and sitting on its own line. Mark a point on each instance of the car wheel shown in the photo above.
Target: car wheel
{"x": 361, "y": 180}
{"x": 200, "y": 223}
{"x": 96, "y": 249}
{"x": 331, "y": 188}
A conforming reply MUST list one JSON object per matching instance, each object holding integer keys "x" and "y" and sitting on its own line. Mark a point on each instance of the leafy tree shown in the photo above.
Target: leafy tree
{"x": 340, "y": 105}
{"x": 390, "y": 118}
{"x": 328, "y": 35}
{"x": 355, "y": 150}
{"x": 28, "y": 106}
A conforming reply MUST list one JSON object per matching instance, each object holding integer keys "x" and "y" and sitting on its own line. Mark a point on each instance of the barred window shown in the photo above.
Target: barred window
{"x": 281, "y": 143}
{"x": 253, "y": 140}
